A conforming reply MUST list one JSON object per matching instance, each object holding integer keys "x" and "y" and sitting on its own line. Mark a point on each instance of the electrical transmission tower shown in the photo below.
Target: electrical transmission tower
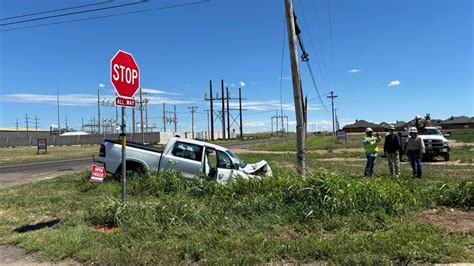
{"x": 278, "y": 123}
{"x": 193, "y": 110}
{"x": 36, "y": 125}
{"x": 225, "y": 114}
{"x": 27, "y": 121}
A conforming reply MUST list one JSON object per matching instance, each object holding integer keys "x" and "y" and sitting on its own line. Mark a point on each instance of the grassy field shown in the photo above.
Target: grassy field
{"x": 325, "y": 142}
{"x": 29, "y": 154}
{"x": 462, "y": 135}
{"x": 314, "y": 142}
{"x": 330, "y": 215}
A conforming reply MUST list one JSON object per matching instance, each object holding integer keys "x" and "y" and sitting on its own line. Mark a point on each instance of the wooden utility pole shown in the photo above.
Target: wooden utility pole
{"x": 240, "y": 115}
{"x": 27, "y": 120}
{"x": 332, "y": 96}
{"x": 193, "y": 110}
{"x": 164, "y": 117}
{"x": 228, "y": 113}
{"x": 17, "y": 133}
{"x": 36, "y": 125}
{"x": 297, "y": 91}
{"x": 212, "y": 110}
{"x": 57, "y": 102}
{"x": 141, "y": 117}
{"x": 223, "y": 109}
{"x": 175, "y": 120}
{"x": 211, "y": 103}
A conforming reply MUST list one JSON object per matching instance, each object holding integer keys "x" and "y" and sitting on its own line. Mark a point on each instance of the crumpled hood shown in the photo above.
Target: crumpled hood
{"x": 257, "y": 168}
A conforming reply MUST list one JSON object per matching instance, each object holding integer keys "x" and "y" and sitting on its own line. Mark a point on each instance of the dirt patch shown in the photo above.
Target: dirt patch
{"x": 454, "y": 143}
{"x": 13, "y": 255}
{"x": 453, "y": 220}
{"x": 106, "y": 229}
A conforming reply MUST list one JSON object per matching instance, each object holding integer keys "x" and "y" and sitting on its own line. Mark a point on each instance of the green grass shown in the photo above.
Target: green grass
{"x": 462, "y": 135}
{"x": 314, "y": 142}
{"x": 29, "y": 154}
{"x": 322, "y": 217}
{"x": 464, "y": 154}
{"x": 351, "y": 164}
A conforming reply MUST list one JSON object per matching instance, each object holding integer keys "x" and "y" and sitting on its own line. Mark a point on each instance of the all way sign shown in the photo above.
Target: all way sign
{"x": 125, "y": 76}
{"x": 125, "y": 102}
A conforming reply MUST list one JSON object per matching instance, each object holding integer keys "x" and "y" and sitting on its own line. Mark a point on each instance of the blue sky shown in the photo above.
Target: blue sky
{"x": 388, "y": 60}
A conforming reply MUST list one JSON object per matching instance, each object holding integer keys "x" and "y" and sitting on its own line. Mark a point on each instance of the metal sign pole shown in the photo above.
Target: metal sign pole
{"x": 124, "y": 162}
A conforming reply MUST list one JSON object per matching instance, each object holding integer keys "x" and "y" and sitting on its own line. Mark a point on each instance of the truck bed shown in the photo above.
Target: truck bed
{"x": 137, "y": 145}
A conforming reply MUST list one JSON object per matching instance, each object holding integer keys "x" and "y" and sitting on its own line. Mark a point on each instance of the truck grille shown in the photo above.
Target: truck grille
{"x": 435, "y": 143}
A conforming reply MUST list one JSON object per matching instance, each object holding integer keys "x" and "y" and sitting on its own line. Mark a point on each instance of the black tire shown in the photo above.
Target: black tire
{"x": 404, "y": 158}
{"x": 446, "y": 157}
{"x": 133, "y": 169}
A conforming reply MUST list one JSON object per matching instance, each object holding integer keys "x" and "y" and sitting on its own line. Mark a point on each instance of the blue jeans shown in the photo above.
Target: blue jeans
{"x": 415, "y": 160}
{"x": 369, "y": 167}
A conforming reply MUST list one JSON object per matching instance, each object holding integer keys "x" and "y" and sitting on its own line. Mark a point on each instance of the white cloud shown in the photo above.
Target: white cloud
{"x": 256, "y": 124}
{"x": 232, "y": 85}
{"x": 269, "y": 105}
{"x": 82, "y": 99}
{"x": 354, "y": 70}
{"x": 321, "y": 125}
{"x": 101, "y": 85}
{"x": 394, "y": 83}
{"x": 242, "y": 84}
{"x": 285, "y": 77}
{"x": 155, "y": 91}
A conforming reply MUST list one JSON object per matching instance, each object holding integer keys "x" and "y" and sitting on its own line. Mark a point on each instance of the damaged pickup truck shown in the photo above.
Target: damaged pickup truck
{"x": 190, "y": 157}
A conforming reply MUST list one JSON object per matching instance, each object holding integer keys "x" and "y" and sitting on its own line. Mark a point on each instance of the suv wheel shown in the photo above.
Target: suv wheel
{"x": 446, "y": 157}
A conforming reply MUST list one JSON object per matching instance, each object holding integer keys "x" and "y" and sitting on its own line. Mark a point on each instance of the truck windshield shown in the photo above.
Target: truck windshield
{"x": 430, "y": 131}
{"x": 236, "y": 158}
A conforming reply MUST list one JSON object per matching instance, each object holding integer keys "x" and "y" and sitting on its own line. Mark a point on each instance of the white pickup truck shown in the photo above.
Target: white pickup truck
{"x": 190, "y": 157}
{"x": 435, "y": 143}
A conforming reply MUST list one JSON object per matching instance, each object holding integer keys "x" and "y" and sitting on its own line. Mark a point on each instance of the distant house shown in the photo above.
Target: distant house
{"x": 457, "y": 122}
{"x": 384, "y": 125}
{"x": 360, "y": 126}
{"x": 436, "y": 122}
{"x": 400, "y": 125}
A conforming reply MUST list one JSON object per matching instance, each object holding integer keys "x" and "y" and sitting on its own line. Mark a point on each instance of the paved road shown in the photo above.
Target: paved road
{"x": 11, "y": 175}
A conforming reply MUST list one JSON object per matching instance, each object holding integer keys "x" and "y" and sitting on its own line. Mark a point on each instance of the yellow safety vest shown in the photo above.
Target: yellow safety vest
{"x": 371, "y": 144}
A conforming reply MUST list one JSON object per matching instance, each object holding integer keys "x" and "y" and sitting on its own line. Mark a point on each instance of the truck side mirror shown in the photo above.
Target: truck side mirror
{"x": 236, "y": 166}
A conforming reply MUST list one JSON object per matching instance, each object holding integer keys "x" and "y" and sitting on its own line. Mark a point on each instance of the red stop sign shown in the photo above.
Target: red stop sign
{"x": 124, "y": 74}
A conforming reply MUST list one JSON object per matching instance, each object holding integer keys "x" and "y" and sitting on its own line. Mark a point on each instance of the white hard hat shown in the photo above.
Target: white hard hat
{"x": 368, "y": 130}
{"x": 418, "y": 117}
{"x": 413, "y": 130}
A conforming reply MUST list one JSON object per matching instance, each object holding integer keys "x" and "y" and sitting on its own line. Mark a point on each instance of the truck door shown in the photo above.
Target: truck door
{"x": 218, "y": 165}
{"x": 185, "y": 158}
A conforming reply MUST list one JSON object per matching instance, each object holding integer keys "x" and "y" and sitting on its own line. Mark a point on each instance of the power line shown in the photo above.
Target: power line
{"x": 73, "y": 13}
{"x": 332, "y": 46}
{"x": 56, "y": 10}
{"x": 316, "y": 86}
{"x": 281, "y": 68}
{"x": 305, "y": 58}
{"x": 312, "y": 43}
{"x": 107, "y": 16}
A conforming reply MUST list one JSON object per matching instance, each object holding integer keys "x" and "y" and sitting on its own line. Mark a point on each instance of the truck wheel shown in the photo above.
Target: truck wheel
{"x": 446, "y": 157}
{"x": 133, "y": 169}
